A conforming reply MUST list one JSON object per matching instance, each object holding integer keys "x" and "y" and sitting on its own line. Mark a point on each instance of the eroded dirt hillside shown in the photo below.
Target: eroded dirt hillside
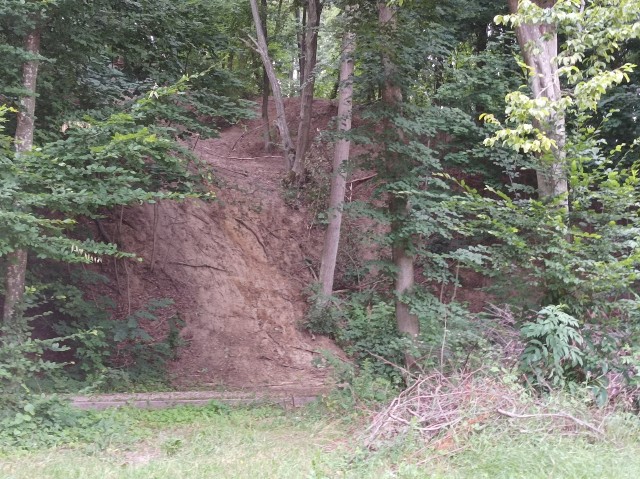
{"x": 236, "y": 269}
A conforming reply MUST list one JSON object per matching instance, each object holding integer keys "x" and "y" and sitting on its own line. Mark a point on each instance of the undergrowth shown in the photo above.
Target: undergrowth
{"x": 112, "y": 354}
{"x": 53, "y": 422}
{"x": 93, "y": 352}
{"x": 364, "y": 326}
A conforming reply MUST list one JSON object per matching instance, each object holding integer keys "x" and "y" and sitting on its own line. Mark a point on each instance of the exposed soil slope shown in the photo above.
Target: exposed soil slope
{"x": 236, "y": 269}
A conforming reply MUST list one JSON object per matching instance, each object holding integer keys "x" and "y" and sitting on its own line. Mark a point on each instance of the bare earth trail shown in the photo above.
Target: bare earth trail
{"x": 236, "y": 269}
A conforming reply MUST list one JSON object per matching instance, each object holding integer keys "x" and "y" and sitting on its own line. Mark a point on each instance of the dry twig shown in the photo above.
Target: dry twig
{"x": 562, "y": 415}
{"x": 438, "y": 406}
{"x": 243, "y": 135}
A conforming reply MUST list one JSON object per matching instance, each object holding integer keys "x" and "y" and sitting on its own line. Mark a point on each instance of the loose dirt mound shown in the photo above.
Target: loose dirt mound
{"x": 236, "y": 269}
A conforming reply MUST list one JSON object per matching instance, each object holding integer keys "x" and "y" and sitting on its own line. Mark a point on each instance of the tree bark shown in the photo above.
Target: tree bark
{"x": 266, "y": 134}
{"x": 338, "y": 179}
{"x": 398, "y": 205}
{"x": 302, "y": 46}
{"x": 281, "y": 120}
{"x": 278, "y": 18}
{"x": 539, "y": 46}
{"x": 17, "y": 260}
{"x": 314, "y": 10}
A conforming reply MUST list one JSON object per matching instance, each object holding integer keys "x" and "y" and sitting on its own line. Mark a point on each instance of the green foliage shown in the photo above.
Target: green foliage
{"x": 370, "y": 328}
{"x": 584, "y": 257}
{"x": 364, "y": 327}
{"x": 589, "y": 61}
{"x": 29, "y": 418}
{"x": 32, "y": 417}
{"x": 539, "y": 256}
{"x": 102, "y": 351}
{"x": 22, "y": 356}
{"x": 36, "y": 421}
{"x": 322, "y": 318}
{"x": 450, "y": 336}
{"x": 179, "y": 416}
{"x": 118, "y": 160}
{"x": 553, "y": 351}
{"x": 360, "y": 386}
{"x": 111, "y": 51}
{"x": 116, "y": 354}
{"x": 112, "y": 81}
{"x": 101, "y": 163}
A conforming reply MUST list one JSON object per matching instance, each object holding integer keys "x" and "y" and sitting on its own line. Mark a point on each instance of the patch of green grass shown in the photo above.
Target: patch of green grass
{"x": 222, "y": 442}
{"x": 542, "y": 456}
{"x": 186, "y": 442}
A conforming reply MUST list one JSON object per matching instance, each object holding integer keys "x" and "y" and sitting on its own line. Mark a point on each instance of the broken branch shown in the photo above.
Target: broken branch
{"x": 562, "y": 415}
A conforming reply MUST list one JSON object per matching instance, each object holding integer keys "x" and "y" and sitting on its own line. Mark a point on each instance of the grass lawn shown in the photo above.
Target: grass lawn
{"x": 215, "y": 442}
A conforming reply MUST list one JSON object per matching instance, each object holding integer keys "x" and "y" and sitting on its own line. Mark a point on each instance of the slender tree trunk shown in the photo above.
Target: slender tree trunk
{"x": 281, "y": 120}
{"x": 339, "y": 178}
{"x": 278, "y": 18}
{"x": 314, "y": 10}
{"x": 398, "y": 205}
{"x": 17, "y": 260}
{"x": 539, "y": 46}
{"x": 266, "y": 134}
{"x": 302, "y": 46}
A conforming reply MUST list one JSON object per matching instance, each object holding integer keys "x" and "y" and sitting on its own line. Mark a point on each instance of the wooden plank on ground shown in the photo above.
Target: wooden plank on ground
{"x": 191, "y": 398}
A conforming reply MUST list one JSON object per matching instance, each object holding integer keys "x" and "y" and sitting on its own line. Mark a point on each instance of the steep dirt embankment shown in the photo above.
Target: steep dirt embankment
{"x": 236, "y": 268}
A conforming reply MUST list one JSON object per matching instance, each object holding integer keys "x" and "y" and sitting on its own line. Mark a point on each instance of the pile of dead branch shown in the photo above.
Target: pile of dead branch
{"x": 442, "y": 408}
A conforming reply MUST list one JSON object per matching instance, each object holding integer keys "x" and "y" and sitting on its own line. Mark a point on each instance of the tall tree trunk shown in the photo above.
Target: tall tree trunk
{"x": 398, "y": 205}
{"x": 278, "y": 18}
{"x": 338, "y": 179}
{"x": 281, "y": 120}
{"x": 314, "y": 10}
{"x": 266, "y": 134}
{"x": 539, "y": 46}
{"x": 302, "y": 45}
{"x": 17, "y": 260}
